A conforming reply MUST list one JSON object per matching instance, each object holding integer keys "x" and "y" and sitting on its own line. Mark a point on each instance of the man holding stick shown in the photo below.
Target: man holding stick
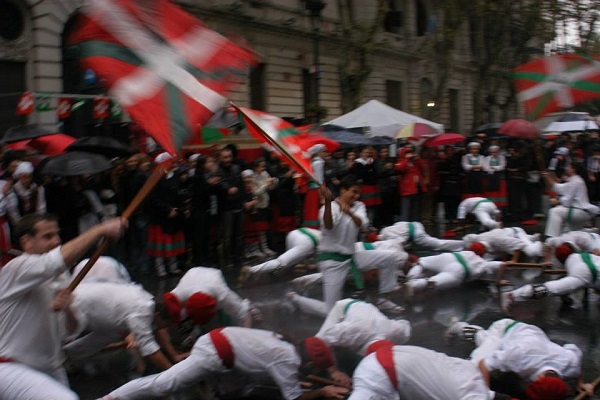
{"x": 33, "y": 310}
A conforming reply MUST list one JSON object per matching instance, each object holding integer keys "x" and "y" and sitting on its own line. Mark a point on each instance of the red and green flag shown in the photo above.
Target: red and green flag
{"x": 207, "y": 135}
{"x": 288, "y": 141}
{"x": 554, "y": 83}
{"x": 164, "y": 67}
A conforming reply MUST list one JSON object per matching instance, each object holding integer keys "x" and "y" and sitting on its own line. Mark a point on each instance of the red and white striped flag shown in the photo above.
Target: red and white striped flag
{"x": 26, "y": 103}
{"x": 63, "y": 108}
{"x": 164, "y": 67}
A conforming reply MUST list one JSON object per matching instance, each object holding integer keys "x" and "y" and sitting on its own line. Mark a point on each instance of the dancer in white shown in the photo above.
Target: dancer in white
{"x": 356, "y": 325}
{"x": 415, "y": 232}
{"x": 257, "y": 353}
{"x": 107, "y": 312}
{"x": 30, "y": 334}
{"x": 106, "y": 269}
{"x": 450, "y": 269}
{"x": 509, "y": 345}
{"x": 573, "y": 210}
{"x": 502, "y": 242}
{"x": 200, "y": 293}
{"x": 578, "y": 240}
{"x": 486, "y": 212}
{"x": 341, "y": 220}
{"x": 582, "y": 272}
{"x": 416, "y": 373}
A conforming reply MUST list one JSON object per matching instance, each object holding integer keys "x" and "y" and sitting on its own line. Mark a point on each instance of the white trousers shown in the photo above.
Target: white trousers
{"x": 19, "y": 382}
{"x": 560, "y": 222}
{"x": 452, "y": 276}
{"x": 490, "y": 340}
{"x": 486, "y": 215}
{"x": 422, "y": 239}
{"x": 298, "y": 246}
{"x": 335, "y": 273}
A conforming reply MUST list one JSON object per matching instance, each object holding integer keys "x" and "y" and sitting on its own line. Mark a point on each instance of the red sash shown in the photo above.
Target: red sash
{"x": 223, "y": 347}
{"x": 5, "y": 360}
{"x": 385, "y": 356}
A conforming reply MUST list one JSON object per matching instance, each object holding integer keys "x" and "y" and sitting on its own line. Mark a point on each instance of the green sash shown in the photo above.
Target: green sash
{"x": 368, "y": 246}
{"x": 411, "y": 231}
{"x": 464, "y": 264}
{"x": 479, "y": 202}
{"x": 587, "y": 259}
{"x": 510, "y": 326}
{"x": 311, "y": 236}
{"x": 349, "y": 304}
{"x": 358, "y": 280}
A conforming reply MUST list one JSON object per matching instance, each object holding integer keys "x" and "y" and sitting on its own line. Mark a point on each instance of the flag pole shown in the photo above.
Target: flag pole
{"x": 159, "y": 172}
{"x": 275, "y": 144}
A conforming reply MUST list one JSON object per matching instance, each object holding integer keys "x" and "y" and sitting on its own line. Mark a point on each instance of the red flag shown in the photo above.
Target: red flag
{"x": 161, "y": 64}
{"x": 63, "y": 109}
{"x": 101, "y": 107}
{"x": 281, "y": 135}
{"x": 553, "y": 83}
{"x": 25, "y": 105}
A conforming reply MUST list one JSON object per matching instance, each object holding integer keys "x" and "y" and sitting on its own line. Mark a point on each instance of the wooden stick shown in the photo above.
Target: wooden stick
{"x": 595, "y": 385}
{"x": 527, "y": 265}
{"x": 151, "y": 182}
{"x": 555, "y": 271}
{"x": 325, "y": 381}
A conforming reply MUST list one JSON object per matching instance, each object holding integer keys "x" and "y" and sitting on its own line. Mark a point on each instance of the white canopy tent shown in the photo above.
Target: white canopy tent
{"x": 381, "y": 119}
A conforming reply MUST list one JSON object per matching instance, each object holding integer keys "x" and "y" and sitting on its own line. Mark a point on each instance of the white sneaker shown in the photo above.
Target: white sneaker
{"x": 388, "y": 306}
{"x": 506, "y": 301}
{"x": 161, "y": 272}
{"x": 454, "y": 329}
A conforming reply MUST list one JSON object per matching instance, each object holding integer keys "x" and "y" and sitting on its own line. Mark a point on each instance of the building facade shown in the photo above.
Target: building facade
{"x": 34, "y": 57}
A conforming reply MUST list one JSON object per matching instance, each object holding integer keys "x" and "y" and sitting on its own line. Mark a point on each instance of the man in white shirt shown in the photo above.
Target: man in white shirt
{"x": 415, "y": 232}
{"x": 30, "y": 328}
{"x": 256, "y": 353}
{"x": 415, "y": 373}
{"x": 356, "y": 325}
{"x": 450, "y": 270}
{"x": 106, "y": 269}
{"x": 503, "y": 242}
{"x": 486, "y": 212}
{"x": 578, "y": 240}
{"x": 573, "y": 210}
{"x": 341, "y": 220}
{"x": 509, "y": 345}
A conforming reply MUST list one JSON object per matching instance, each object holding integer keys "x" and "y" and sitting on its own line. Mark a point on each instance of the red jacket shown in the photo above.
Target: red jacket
{"x": 410, "y": 175}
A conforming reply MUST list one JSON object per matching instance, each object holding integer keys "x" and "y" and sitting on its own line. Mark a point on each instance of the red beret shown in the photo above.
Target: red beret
{"x": 173, "y": 306}
{"x": 372, "y": 237}
{"x": 319, "y": 353}
{"x": 547, "y": 388}
{"x": 562, "y": 252}
{"x": 201, "y": 307}
{"x": 477, "y": 248}
{"x": 373, "y": 347}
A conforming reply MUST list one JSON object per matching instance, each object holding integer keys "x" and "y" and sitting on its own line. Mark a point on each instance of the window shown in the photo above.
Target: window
{"x": 422, "y": 18}
{"x": 309, "y": 87}
{"x": 257, "y": 88}
{"x": 453, "y": 96}
{"x": 13, "y": 81}
{"x": 393, "y": 91}
{"x": 393, "y": 18}
{"x": 12, "y": 21}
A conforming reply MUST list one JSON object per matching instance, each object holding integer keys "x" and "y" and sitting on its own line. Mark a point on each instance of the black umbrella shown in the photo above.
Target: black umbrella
{"x": 104, "y": 145}
{"x": 75, "y": 163}
{"x": 24, "y": 132}
{"x": 356, "y": 139}
{"x": 489, "y": 128}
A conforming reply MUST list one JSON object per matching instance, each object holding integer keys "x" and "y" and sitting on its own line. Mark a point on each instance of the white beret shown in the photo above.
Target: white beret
{"x": 24, "y": 167}
{"x": 162, "y": 157}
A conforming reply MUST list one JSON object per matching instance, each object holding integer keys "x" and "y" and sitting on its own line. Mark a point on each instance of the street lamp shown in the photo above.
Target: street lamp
{"x": 314, "y": 8}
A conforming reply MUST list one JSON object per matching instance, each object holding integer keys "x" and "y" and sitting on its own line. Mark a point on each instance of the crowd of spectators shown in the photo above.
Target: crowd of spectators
{"x": 218, "y": 209}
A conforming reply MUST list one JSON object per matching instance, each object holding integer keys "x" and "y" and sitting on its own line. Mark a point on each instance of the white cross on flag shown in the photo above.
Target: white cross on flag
{"x": 25, "y": 105}
{"x": 101, "y": 107}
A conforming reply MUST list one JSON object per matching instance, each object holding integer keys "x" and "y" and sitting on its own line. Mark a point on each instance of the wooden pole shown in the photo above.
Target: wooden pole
{"x": 526, "y": 265}
{"x": 595, "y": 385}
{"x": 151, "y": 182}
{"x": 325, "y": 381}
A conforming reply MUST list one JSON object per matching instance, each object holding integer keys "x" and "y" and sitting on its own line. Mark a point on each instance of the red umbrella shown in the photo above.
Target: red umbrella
{"x": 20, "y": 145}
{"x": 310, "y": 139}
{"x": 520, "y": 128}
{"x": 52, "y": 145}
{"x": 444, "y": 139}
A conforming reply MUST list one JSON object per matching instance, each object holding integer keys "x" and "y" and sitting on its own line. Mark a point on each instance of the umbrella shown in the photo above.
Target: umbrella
{"x": 444, "y": 139}
{"x": 519, "y": 128}
{"x": 356, "y": 139}
{"x": 24, "y": 132}
{"x": 489, "y": 128}
{"x": 415, "y": 130}
{"x": 571, "y": 126}
{"x": 104, "y": 145}
{"x": 310, "y": 139}
{"x": 52, "y": 145}
{"x": 75, "y": 163}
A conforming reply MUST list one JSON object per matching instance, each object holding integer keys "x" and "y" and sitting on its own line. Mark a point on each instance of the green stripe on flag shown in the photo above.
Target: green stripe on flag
{"x": 287, "y": 132}
{"x": 211, "y": 135}
{"x": 585, "y": 85}
{"x": 541, "y": 105}
{"x": 95, "y": 48}
{"x": 530, "y": 76}
{"x": 179, "y": 128}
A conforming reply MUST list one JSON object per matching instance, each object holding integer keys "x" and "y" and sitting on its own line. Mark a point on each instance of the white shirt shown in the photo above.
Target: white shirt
{"x": 261, "y": 353}
{"x": 212, "y": 282}
{"x": 357, "y": 324}
{"x": 401, "y": 230}
{"x": 106, "y": 269}
{"x": 391, "y": 244}
{"x": 581, "y": 241}
{"x": 422, "y": 374}
{"x": 574, "y": 193}
{"x": 489, "y": 168}
{"x": 498, "y": 241}
{"x": 30, "y": 332}
{"x": 342, "y": 236}
{"x": 472, "y": 204}
{"x": 527, "y": 351}
{"x": 104, "y": 306}
{"x": 447, "y": 262}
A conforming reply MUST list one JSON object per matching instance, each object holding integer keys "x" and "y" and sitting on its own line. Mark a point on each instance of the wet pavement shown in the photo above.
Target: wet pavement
{"x": 429, "y": 314}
